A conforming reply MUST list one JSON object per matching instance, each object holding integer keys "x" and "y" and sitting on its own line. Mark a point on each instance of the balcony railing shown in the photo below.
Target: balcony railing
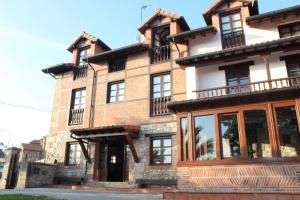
{"x": 80, "y": 71}
{"x": 76, "y": 116}
{"x": 159, "y": 106}
{"x": 233, "y": 39}
{"x": 159, "y": 54}
{"x": 261, "y": 86}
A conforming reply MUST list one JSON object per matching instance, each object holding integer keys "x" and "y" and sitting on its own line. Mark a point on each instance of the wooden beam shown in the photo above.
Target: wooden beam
{"x": 101, "y": 135}
{"x": 85, "y": 153}
{"x": 132, "y": 148}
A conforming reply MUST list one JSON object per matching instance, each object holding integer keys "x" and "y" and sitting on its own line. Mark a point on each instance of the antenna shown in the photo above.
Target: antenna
{"x": 143, "y": 7}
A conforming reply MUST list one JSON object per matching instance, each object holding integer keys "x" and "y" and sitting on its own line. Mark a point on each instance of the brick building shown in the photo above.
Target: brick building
{"x": 210, "y": 109}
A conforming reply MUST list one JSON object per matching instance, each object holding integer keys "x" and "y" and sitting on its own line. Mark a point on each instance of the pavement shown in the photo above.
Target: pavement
{"x": 82, "y": 194}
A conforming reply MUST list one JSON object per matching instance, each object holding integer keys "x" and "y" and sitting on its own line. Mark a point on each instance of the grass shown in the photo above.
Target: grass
{"x": 24, "y": 197}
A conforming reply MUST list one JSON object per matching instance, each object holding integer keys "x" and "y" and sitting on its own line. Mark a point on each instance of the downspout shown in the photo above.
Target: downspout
{"x": 92, "y": 96}
{"x": 173, "y": 41}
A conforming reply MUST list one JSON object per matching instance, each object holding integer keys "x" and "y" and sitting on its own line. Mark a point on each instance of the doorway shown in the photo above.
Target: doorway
{"x": 116, "y": 162}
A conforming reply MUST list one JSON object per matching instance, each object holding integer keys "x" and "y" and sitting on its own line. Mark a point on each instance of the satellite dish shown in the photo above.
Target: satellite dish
{"x": 140, "y": 38}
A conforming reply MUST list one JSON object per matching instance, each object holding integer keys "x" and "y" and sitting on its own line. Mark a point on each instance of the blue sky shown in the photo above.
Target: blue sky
{"x": 34, "y": 34}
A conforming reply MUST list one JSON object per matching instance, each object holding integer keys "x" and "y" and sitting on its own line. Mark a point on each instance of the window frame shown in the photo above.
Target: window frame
{"x": 73, "y": 97}
{"x": 117, "y": 83}
{"x": 112, "y": 66}
{"x": 243, "y": 159}
{"x": 85, "y": 49}
{"x": 67, "y": 153}
{"x": 161, "y": 138}
{"x": 290, "y": 27}
{"x": 161, "y": 76}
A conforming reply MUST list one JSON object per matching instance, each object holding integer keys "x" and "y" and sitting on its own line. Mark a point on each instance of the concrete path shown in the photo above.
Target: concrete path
{"x": 83, "y": 195}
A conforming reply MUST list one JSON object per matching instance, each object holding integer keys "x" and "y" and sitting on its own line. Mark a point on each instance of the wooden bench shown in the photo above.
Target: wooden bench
{"x": 143, "y": 183}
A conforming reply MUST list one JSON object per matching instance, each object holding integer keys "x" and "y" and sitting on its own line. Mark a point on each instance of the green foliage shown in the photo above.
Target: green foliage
{"x": 24, "y": 197}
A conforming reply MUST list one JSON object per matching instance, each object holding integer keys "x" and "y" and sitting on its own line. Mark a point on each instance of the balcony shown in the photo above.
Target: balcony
{"x": 233, "y": 39}
{"x": 255, "y": 87}
{"x": 80, "y": 71}
{"x": 159, "y": 54}
{"x": 159, "y": 106}
{"x": 76, "y": 116}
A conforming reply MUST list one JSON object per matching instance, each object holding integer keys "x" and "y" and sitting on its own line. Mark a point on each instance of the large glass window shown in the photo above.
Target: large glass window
{"x": 184, "y": 138}
{"x": 230, "y": 135}
{"x": 78, "y": 99}
{"x": 83, "y": 53}
{"x": 293, "y": 68}
{"x": 257, "y": 134}
{"x": 237, "y": 76}
{"x": 205, "y": 142}
{"x": 116, "y": 91}
{"x": 289, "y": 30}
{"x": 161, "y": 150}
{"x": 117, "y": 64}
{"x": 73, "y": 153}
{"x": 288, "y": 129}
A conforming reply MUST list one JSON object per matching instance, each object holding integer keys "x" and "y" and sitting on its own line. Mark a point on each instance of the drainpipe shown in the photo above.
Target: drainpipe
{"x": 173, "y": 41}
{"x": 92, "y": 96}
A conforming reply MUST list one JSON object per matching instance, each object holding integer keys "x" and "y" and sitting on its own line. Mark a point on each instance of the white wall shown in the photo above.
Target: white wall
{"x": 200, "y": 45}
{"x": 191, "y": 83}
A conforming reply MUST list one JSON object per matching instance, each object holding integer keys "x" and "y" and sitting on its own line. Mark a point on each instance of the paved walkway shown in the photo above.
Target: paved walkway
{"x": 83, "y": 195}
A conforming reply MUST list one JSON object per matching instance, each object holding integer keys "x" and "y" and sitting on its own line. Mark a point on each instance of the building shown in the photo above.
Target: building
{"x": 214, "y": 109}
{"x": 2, "y": 158}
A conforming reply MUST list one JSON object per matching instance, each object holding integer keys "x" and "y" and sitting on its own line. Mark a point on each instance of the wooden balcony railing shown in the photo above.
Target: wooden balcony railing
{"x": 159, "y": 54}
{"x": 80, "y": 71}
{"x": 260, "y": 86}
{"x": 76, "y": 116}
{"x": 233, "y": 39}
{"x": 159, "y": 106}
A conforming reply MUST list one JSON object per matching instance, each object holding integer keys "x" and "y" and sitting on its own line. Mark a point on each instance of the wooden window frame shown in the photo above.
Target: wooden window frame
{"x": 79, "y": 51}
{"x": 67, "y": 153}
{"x": 112, "y": 64}
{"x": 269, "y": 107}
{"x": 81, "y": 106}
{"x": 161, "y": 147}
{"x": 290, "y": 27}
{"x": 291, "y": 59}
{"x": 161, "y": 75}
{"x": 117, "y": 83}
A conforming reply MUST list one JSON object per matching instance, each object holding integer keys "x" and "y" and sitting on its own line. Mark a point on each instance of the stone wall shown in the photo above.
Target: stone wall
{"x": 241, "y": 178}
{"x": 143, "y": 169}
{"x": 32, "y": 175}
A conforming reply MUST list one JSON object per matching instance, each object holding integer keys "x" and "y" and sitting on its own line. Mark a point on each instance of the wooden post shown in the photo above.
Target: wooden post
{"x": 266, "y": 59}
{"x": 85, "y": 153}
{"x": 132, "y": 149}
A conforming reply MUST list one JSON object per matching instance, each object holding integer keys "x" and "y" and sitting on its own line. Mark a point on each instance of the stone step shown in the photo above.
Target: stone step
{"x": 111, "y": 184}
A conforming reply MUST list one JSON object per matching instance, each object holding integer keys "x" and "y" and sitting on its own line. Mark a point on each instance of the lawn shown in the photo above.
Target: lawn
{"x": 24, "y": 197}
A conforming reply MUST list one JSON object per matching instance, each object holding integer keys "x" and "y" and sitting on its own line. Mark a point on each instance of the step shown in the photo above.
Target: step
{"x": 111, "y": 184}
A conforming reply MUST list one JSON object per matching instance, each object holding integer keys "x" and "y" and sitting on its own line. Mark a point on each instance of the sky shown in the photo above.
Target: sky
{"x": 34, "y": 34}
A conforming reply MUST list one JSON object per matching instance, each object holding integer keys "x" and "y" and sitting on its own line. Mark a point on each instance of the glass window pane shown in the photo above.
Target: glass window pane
{"x": 76, "y": 102}
{"x": 167, "y": 160}
{"x": 167, "y": 86}
{"x": 167, "y": 151}
{"x": 121, "y": 98}
{"x": 113, "y": 87}
{"x": 167, "y": 142}
{"x": 121, "y": 85}
{"x": 156, "y": 88}
{"x": 121, "y": 92}
{"x": 156, "y": 80}
{"x": 167, "y": 78}
{"x": 257, "y": 134}
{"x": 156, "y": 95}
{"x": 236, "y": 16}
{"x": 237, "y": 25}
{"x": 77, "y": 94}
{"x": 230, "y": 135}
{"x": 225, "y": 19}
{"x": 293, "y": 69}
{"x": 288, "y": 129}
{"x": 167, "y": 93}
{"x": 205, "y": 142}
{"x": 83, "y": 93}
{"x": 113, "y": 93}
{"x": 225, "y": 27}
{"x": 156, "y": 143}
{"x": 184, "y": 138}
{"x": 112, "y": 99}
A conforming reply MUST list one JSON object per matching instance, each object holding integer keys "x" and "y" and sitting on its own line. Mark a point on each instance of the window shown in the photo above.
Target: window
{"x": 289, "y": 30}
{"x": 73, "y": 154}
{"x": 230, "y": 135}
{"x": 237, "y": 75}
{"x": 83, "y": 53}
{"x": 205, "y": 141}
{"x": 116, "y": 91}
{"x": 161, "y": 150}
{"x": 287, "y": 125}
{"x": 77, "y": 106}
{"x": 257, "y": 134}
{"x": 161, "y": 85}
{"x": 160, "y": 94}
{"x": 232, "y": 30}
{"x": 116, "y": 65}
{"x": 161, "y": 44}
{"x": 184, "y": 138}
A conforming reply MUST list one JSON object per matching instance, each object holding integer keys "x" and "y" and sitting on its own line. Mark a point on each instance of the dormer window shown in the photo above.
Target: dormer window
{"x": 117, "y": 64}
{"x": 289, "y": 30}
{"x": 160, "y": 43}
{"x": 81, "y": 69}
{"x": 232, "y": 31}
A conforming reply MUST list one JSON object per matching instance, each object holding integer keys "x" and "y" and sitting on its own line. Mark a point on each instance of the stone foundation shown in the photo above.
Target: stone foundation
{"x": 242, "y": 178}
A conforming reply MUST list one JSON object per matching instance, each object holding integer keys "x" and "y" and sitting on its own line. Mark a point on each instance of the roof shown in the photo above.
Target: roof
{"x": 248, "y": 50}
{"x": 90, "y": 37}
{"x": 106, "y": 129}
{"x": 32, "y": 147}
{"x": 134, "y": 48}
{"x": 160, "y": 12}
{"x": 217, "y": 3}
{"x": 59, "y": 68}
{"x": 255, "y": 18}
{"x": 179, "y": 37}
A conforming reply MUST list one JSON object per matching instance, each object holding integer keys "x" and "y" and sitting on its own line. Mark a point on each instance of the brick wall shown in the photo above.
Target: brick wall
{"x": 241, "y": 178}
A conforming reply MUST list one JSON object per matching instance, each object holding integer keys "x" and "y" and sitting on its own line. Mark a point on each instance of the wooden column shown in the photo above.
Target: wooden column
{"x": 191, "y": 144}
{"x": 266, "y": 59}
{"x": 273, "y": 131}
{"x": 84, "y": 150}
{"x": 242, "y": 135}
{"x": 132, "y": 148}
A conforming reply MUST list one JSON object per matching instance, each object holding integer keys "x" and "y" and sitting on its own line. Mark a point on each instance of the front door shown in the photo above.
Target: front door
{"x": 115, "y": 163}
